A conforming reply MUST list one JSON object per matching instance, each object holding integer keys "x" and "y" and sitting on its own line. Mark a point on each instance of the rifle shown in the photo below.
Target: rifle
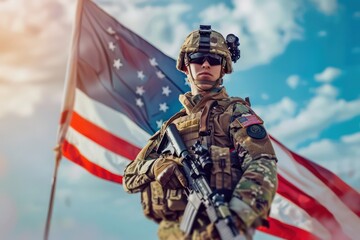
{"x": 199, "y": 191}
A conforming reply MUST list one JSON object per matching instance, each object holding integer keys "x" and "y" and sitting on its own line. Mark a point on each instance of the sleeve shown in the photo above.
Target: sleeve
{"x": 255, "y": 191}
{"x": 138, "y": 173}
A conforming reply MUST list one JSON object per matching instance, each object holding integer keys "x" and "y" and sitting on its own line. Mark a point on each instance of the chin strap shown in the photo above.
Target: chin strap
{"x": 207, "y": 82}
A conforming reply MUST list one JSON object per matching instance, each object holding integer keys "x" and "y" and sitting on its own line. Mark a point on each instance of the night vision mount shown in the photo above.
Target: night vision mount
{"x": 233, "y": 44}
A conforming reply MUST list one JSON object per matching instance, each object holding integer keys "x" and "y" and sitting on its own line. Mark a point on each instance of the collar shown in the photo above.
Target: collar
{"x": 193, "y": 104}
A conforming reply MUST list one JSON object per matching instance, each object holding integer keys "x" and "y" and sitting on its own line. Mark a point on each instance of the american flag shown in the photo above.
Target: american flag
{"x": 120, "y": 89}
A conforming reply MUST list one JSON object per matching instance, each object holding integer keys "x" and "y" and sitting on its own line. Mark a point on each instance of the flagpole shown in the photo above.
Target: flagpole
{"x": 66, "y": 108}
{"x": 52, "y": 194}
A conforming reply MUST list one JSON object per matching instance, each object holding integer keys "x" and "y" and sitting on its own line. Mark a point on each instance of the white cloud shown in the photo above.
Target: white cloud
{"x": 293, "y": 81}
{"x": 265, "y": 28}
{"x": 351, "y": 139}
{"x": 274, "y": 113}
{"x": 357, "y": 14}
{"x": 323, "y": 110}
{"x": 356, "y": 50}
{"x": 322, "y": 33}
{"x": 35, "y": 53}
{"x": 161, "y": 25}
{"x": 327, "y": 90}
{"x": 339, "y": 156}
{"x": 19, "y": 99}
{"x": 326, "y": 6}
{"x": 264, "y": 96}
{"x": 328, "y": 75}
{"x": 21, "y": 74}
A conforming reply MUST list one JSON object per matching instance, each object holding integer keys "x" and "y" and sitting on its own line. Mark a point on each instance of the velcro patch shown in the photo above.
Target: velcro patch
{"x": 246, "y": 121}
{"x": 256, "y": 131}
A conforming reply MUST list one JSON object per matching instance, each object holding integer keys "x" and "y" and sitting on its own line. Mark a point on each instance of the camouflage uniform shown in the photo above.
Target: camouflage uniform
{"x": 244, "y": 166}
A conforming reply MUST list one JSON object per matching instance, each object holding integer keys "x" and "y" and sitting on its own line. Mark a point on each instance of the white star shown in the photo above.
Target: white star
{"x": 163, "y": 107}
{"x": 117, "y": 64}
{"x": 186, "y": 82}
{"x": 110, "y": 30}
{"x": 139, "y": 102}
{"x": 153, "y": 62}
{"x": 166, "y": 90}
{"x": 140, "y": 75}
{"x": 140, "y": 90}
{"x": 159, "y": 123}
{"x": 160, "y": 75}
{"x": 111, "y": 46}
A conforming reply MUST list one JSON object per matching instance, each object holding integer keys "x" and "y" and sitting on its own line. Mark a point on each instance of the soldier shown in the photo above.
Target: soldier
{"x": 243, "y": 160}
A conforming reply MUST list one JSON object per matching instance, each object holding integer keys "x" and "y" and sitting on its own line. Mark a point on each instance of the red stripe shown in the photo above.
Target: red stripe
{"x": 349, "y": 196}
{"x": 103, "y": 137}
{"x": 311, "y": 206}
{"x": 283, "y": 230}
{"x": 72, "y": 153}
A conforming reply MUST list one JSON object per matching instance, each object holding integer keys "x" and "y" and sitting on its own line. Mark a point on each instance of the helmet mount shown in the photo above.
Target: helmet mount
{"x": 204, "y": 42}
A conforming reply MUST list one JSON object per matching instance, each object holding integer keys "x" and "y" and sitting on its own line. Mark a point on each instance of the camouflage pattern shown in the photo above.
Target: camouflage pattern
{"x": 254, "y": 191}
{"x": 170, "y": 230}
{"x": 217, "y": 46}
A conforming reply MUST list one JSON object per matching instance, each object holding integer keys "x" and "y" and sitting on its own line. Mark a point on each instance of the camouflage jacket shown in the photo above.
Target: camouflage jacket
{"x": 236, "y": 127}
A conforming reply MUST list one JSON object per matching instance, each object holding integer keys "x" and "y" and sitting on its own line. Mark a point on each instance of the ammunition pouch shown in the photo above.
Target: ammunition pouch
{"x": 162, "y": 204}
{"x": 226, "y": 171}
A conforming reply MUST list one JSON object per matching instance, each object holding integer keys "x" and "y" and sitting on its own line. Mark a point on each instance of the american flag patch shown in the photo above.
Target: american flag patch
{"x": 246, "y": 121}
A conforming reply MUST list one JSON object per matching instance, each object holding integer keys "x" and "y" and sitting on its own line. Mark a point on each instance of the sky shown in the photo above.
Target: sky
{"x": 300, "y": 66}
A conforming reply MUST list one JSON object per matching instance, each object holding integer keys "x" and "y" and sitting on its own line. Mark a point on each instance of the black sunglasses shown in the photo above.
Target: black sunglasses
{"x": 200, "y": 58}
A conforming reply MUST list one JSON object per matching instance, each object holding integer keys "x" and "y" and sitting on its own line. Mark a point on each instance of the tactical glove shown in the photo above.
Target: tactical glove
{"x": 168, "y": 174}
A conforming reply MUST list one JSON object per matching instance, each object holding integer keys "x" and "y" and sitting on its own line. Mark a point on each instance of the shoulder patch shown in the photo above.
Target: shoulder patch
{"x": 256, "y": 131}
{"x": 249, "y": 120}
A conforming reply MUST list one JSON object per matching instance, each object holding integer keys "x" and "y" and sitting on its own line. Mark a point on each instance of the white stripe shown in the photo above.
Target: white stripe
{"x": 287, "y": 212}
{"x": 302, "y": 178}
{"x": 114, "y": 122}
{"x": 96, "y": 154}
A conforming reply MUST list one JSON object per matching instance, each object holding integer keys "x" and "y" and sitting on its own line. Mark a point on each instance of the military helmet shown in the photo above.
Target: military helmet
{"x": 205, "y": 40}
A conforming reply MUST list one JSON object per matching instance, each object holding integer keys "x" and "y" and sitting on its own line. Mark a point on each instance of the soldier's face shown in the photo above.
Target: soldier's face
{"x": 205, "y": 73}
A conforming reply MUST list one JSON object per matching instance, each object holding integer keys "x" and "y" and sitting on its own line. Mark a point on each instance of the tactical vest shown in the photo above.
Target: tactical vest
{"x": 226, "y": 170}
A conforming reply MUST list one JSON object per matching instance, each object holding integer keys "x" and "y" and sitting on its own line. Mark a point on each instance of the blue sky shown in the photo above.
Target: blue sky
{"x": 299, "y": 66}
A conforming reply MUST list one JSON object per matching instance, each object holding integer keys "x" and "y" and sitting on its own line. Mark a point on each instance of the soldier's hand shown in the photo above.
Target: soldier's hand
{"x": 168, "y": 174}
